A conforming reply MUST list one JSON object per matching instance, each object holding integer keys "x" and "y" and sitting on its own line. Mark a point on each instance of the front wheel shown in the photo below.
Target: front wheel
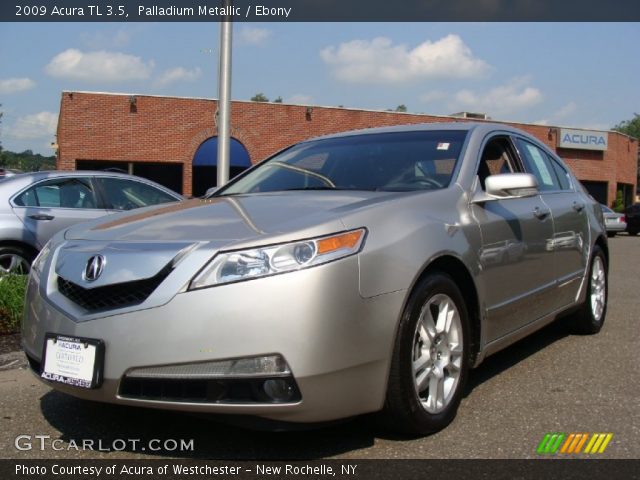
{"x": 430, "y": 360}
{"x": 590, "y": 318}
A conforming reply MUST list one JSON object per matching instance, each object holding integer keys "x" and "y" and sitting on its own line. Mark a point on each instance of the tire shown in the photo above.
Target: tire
{"x": 15, "y": 259}
{"x": 611, "y": 234}
{"x": 589, "y": 319}
{"x": 424, "y": 354}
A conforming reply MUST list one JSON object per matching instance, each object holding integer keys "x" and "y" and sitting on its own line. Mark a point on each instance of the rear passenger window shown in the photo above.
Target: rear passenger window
{"x": 561, "y": 173}
{"x": 537, "y": 163}
{"x": 75, "y": 192}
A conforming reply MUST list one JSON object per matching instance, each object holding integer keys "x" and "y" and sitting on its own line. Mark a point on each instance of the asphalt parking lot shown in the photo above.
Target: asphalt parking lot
{"x": 550, "y": 382}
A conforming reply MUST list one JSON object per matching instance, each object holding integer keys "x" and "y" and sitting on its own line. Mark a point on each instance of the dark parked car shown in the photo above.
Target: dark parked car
{"x": 35, "y": 206}
{"x": 632, "y": 216}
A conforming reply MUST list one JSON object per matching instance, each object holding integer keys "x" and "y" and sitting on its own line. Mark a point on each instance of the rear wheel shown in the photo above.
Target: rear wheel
{"x": 590, "y": 318}
{"x": 430, "y": 360}
{"x": 611, "y": 234}
{"x": 14, "y": 259}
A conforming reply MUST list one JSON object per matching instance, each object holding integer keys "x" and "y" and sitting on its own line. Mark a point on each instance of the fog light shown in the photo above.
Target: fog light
{"x": 262, "y": 366}
{"x": 278, "y": 389}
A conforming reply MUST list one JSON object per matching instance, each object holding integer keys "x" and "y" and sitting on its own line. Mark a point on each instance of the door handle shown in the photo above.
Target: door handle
{"x": 578, "y": 207}
{"x": 41, "y": 216}
{"x": 540, "y": 214}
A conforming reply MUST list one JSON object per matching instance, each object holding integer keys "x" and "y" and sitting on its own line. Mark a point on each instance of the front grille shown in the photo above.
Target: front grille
{"x": 109, "y": 297}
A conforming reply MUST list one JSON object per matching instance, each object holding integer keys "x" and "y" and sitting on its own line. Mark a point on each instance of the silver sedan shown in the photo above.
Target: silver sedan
{"x": 35, "y": 206}
{"x": 362, "y": 272}
{"x": 614, "y": 222}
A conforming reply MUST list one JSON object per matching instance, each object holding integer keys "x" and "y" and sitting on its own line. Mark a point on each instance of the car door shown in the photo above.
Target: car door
{"x": 52, "y": 205}
{"x": 126, "y": 194}
{"x": 515, "y": 265}
{"x": 571, "y": 237}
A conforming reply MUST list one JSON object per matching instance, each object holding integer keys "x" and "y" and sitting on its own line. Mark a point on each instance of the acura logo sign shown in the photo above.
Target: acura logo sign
{"x": 94, "y": 268}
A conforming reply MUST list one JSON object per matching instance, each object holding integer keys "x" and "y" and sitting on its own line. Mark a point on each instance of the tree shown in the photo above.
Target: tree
{"x": 618, "y": 204}
{"x": 278, "y": 100}
{"x": 259, "y": 97}
{"x": 27, "y": 161}
{"x": 401, "y": 108}
{"x": 632, "y": 128}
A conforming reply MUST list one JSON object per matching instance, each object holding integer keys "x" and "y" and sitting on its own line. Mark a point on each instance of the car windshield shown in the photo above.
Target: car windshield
{"x": 606, "y": 209}
{"x": 402, "y": 161}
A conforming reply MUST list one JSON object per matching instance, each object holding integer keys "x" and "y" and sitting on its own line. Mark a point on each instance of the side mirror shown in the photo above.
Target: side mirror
{"x": 508, "y": 185}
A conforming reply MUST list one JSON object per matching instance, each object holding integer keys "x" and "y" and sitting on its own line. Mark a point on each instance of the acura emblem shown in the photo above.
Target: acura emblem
{"x": 94, "y": 268}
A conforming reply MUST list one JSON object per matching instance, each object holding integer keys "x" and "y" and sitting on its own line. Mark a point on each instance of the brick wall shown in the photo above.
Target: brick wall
{"x": 95, "y": 126}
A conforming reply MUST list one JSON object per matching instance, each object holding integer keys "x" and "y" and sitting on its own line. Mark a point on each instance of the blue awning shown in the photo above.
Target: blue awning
{"x": 207, "y": 154}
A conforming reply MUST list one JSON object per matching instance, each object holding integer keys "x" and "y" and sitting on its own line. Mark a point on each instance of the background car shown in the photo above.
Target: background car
{"x": 6, "y": 172}
{"x": 34, "y": 206}
{"x": 632, "y": 217}
{"x": 613, "y": 221}
{"x": 361, "y": 272}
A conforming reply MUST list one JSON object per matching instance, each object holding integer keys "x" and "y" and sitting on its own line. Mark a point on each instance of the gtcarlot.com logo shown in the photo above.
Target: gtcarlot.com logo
{"x": 574, "y": 443}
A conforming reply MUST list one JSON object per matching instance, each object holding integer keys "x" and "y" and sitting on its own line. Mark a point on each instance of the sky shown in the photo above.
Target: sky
{"x": 564, "y": 74}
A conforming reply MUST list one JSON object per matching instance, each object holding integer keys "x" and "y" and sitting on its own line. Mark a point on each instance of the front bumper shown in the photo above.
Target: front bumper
{"x": 337, "y": 344}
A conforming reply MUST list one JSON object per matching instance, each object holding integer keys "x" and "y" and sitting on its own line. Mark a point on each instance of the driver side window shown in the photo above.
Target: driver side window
{"x": 497, "y": 158}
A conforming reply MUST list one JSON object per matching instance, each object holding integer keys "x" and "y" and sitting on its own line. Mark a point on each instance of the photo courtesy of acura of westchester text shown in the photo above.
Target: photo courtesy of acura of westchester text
{"x": 237, "y": 240}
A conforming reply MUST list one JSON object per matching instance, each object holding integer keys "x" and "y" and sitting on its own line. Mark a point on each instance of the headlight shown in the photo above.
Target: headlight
{"x": 227, "y": 267}
{"x": 40, "y": 260}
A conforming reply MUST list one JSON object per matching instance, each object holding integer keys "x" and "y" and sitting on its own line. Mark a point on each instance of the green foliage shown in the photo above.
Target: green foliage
{"x": 12, "y": 291}
{"x": 278, "y": 100}
{"x": 618, "y": 204}
{"x": 259, "y": 97}
{"x": 26, "y": 161}
{"x": 401, "y": 108}
{"x": 630, "y": 127}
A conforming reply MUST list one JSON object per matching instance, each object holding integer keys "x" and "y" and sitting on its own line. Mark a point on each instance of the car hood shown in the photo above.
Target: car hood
{"x": 225, "y": 220}
{"x": 142, "y": 243}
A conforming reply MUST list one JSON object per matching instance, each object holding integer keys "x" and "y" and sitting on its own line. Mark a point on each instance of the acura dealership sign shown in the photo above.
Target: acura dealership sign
{"x": 583, "y": 139}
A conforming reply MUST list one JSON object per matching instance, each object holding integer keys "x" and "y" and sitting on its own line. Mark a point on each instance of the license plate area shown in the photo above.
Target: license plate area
{"x": 74, "y": 361}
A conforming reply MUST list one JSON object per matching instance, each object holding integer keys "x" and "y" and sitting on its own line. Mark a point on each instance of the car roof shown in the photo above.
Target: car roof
{"x": 426, "y": 127}
{"x": 16, "y": 182}
{"x": 73, "y": 173}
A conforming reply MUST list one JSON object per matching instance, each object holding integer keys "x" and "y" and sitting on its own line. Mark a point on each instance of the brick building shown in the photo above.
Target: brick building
{"x": 172, "y": 140}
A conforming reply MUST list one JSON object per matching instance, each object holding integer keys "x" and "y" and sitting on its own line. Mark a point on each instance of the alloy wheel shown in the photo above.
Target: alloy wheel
{"x": 598, "y": 289}
{"x": 437, "y": 353}
{"x": 13, "y": 263}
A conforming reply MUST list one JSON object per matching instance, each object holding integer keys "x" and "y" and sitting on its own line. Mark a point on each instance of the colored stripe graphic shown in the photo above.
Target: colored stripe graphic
{"x": 598, "y": 443}
{"x": 572, "y": 443}
{"x": 543, "y": 444}
{"x": 581, "y": 443}
{"x": 550, "y": 443}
